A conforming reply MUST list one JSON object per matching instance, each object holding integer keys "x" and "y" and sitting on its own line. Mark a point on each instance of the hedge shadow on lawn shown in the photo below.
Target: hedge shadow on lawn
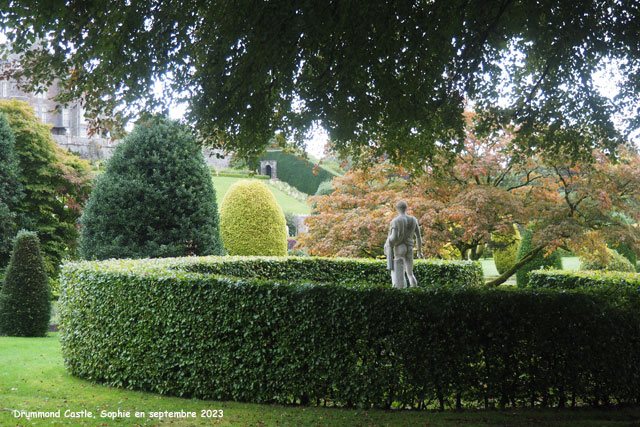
{"x": 178, "y": 327}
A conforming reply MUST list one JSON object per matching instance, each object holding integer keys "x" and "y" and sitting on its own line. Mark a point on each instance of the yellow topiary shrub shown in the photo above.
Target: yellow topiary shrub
{"x": 504, "y": 255}
{"x": 251, "y": 221}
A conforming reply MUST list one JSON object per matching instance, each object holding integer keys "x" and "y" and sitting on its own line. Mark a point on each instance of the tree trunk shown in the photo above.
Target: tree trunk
{"x": 510, "y": 272}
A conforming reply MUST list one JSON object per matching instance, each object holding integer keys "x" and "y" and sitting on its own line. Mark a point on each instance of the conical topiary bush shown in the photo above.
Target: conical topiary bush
{"x": 251, "y": 221}
{"x": 25, "y": 298}
{"x": 155, "y": 198}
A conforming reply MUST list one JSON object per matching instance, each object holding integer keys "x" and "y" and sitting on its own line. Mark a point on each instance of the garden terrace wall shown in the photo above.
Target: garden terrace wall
{"x": 157, "y": 325}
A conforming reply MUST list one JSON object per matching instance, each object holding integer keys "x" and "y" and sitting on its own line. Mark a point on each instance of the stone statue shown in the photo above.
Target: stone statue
{"x": 399, "y": 247}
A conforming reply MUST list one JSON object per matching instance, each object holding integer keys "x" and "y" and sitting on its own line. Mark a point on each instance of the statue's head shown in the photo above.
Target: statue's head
{"x": 401, "y": 207}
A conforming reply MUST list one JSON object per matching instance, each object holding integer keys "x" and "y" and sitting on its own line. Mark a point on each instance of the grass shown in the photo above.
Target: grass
{"x": 33, "y": 378}
{"x": 286, "y": 202}
{"x": 490, "y": 272}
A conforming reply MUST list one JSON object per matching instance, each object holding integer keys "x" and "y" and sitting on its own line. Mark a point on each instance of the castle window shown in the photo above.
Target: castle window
{"x": 65, "y": 118}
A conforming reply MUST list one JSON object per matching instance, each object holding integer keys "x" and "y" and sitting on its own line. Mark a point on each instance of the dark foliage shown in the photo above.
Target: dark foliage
{"x": 155, "y": 198}
{"x": 25, "y": 298}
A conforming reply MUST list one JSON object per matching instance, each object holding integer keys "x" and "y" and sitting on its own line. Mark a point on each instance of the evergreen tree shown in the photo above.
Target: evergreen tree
{"x": 10, "y": 190}
{"x": 155, "y": 199}
{"x": 25, "y": 298}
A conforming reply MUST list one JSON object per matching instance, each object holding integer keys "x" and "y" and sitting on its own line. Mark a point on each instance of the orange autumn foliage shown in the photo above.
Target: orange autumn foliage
{"x": 486, "y": 189}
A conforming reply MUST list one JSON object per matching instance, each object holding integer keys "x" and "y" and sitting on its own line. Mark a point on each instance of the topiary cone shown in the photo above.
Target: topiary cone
{"x": 25, "y": 298}
{"x": 251, "y": 221}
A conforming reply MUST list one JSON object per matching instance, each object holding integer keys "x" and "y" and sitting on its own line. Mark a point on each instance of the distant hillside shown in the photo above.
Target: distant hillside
{"x": 305, "y": 175}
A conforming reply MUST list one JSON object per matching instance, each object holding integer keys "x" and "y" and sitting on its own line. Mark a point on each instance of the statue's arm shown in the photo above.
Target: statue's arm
{"x": 393, "y": 236}
{"x": 418, "y": 240}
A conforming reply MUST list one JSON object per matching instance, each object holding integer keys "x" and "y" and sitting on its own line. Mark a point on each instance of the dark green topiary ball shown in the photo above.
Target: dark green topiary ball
{"x": 25, "y": 298}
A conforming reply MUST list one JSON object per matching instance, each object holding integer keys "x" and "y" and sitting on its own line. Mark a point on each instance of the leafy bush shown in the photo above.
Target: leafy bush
{"x": 627, "y": 252}
{"x": 505, "y": 250}
{"x": 56, "y": 184}
{"x": 154, "y": 199}
{"x": 25, "y": 299}
{"x": 10, "y": 190}
{"x": 290, "y": 219}
{"x": 325, "y": 188}
{"x": 542, "y": 260}
{"x": 157, "y": 325}
{"x": 616, "y": 262}
{"x": 297, "y": 172}
{"x": 251, "y": 221}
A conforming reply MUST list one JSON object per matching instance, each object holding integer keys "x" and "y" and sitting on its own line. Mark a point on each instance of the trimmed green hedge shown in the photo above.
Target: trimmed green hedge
{"x": 157, "y": 325}
{"x": 430, "y": 273}
{"x": 298, "y": 173}
{"x": 232, "y": 174}
{"x": 560, "y": 279}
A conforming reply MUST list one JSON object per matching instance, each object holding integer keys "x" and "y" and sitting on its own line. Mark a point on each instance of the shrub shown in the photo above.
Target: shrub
{"x": 55, "y": 183}
{"x": 290, "y": 219}
{"x": 542, "y": 260}
{"x": 627, "y": 252}
{"x": 325, "y": 188}
{"x": 10, "y": 190}
{"x": 251, "y": 221}
{"x": 298, "y": 172}
{"x": 291, "y": 243}
{"x": 616, "y": 262}
{"x": 154, "y": 199}
{"x": 505, "y": 250}
{"x": 25, "y": 299}
{"x": 177, "y": 332}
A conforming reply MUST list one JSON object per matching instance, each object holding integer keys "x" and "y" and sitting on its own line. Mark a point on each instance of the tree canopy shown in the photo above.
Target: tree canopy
{"x": 395, "y": 76}
{"x": 485, "y": 190}
{"x": 55, "y": 184}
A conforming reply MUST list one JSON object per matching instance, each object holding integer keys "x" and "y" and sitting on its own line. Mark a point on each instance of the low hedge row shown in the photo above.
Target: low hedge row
{"x": 560, "y": 279}
{"x": 430, "y": 273}
{"x": 158, "y": 325}
{"x": 239, "y": 174}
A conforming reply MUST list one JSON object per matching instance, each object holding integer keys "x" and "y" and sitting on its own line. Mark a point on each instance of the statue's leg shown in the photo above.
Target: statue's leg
{"x": 409, "y": 263}
{"x": 399, "y": 267}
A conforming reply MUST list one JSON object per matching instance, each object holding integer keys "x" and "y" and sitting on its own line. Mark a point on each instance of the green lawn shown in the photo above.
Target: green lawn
{"x": 489, "y": 268}
{"x": 32, "y": 378}
{"x": 286, "y": 202}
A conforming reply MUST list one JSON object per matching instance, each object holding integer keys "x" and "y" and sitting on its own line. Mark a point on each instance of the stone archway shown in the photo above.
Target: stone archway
{"x": 269, "y": 168}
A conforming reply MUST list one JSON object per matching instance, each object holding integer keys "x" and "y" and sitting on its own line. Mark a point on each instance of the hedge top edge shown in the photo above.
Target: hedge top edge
{"x": 329, "y": 270}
